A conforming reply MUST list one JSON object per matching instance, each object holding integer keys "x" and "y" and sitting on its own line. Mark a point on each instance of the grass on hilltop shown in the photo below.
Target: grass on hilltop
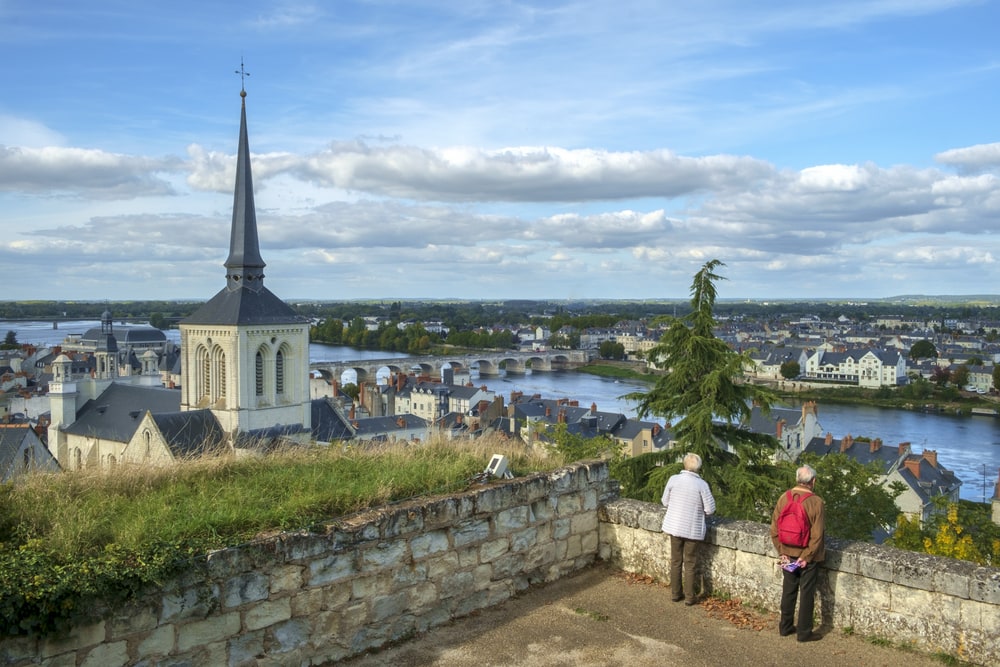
{"x": 70, "y": 539}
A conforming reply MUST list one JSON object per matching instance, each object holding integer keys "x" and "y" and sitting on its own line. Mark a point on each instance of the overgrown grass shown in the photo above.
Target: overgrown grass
{"x": 71, "y": 538}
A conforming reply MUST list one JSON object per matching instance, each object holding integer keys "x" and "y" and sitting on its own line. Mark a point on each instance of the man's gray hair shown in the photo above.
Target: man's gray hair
{"x": 805, "y": 475}
{"x": 692, "y": 462}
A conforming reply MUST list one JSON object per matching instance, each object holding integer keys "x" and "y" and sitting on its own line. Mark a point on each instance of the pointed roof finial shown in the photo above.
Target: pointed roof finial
{"x": 243, "y": 77}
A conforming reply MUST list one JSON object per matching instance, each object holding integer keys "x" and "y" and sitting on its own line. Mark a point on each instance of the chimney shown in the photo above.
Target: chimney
{"x": 593, "y": 408}
{"x": 400, "y": 382}
{"x": 904, "y": 448}
{"x": 781, "y": 428}
{"x": 484, "y": 405}
{"x": 400, "y": 422}
{"x": 350, "y": 415}
{"x": 336, "y": 389}
{"x": 458, "y": 419}
{"x": 931, "y": 456}
{"x": 876, "y": 445}
{"x": 809, "y": 407}
{"x": 361, "y": 393}
{"x": 548, "y": 411}
{"x": 829, "y": 439}
{"x": 656, "y": 430}
{"x": 913, "y": 465}
{"x": 562, "y": 417}
{"x": 846, "y": 443}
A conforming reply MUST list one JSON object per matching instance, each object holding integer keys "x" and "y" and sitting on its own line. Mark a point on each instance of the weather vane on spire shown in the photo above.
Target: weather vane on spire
{"x": 243, "y": 77}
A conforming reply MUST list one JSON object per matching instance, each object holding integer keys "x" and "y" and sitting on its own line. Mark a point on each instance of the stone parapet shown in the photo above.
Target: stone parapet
{"x": 375, "y": 577}
{"x": 932, "y": 603}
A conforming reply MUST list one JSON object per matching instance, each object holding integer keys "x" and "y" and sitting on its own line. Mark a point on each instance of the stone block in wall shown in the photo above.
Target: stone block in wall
{"x": 329, "y": 569}
{"x": 543, "y": 509}
{"x": 493, "y": 549}
{"x": 441, "y": 564}
{"x": 244, "y": 649}
{"x": 531, "y": 491}
{"x": 286, "y": 578}
{"x": 569, "y": 505}
{"x": 113, "y": 654}
{"x": 384, "y": 555}
{"x": 985, "y": 585}
{"x": 134, "y": 617}
{"x": 157, "y": 642}
{"x": 196, "y": 601}
{"x": 201, "y": 633}
{"x": 470, "y": 532}
{"x": 428, "y": 543}
{"x": 290, "y": 635}
{"x": 953, "y": 578}
{"x": 369, "y": 586}
{"x": 494, "y": 498}
{"x": 267, "y": 613}
{"x": 77, "y": 638}
{"x": 400, "y": 521}
{"x": 245, "y": 587}
{"x": 585, "y": 522}
{"x": 523, "y": 540}
{"x": 513, "y": 518}
{"x": 445, "y": 512}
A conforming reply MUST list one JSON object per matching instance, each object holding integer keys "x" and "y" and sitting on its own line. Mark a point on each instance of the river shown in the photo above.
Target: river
{"x": 969, "y": 446}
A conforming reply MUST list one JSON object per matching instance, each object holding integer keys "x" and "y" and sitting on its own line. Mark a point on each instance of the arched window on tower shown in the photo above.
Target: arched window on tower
{"x": 219, "y": 363}
{"x": 204, "y": 379}
{"x": 279, "y": 372}
{"x": 259, "y": 374}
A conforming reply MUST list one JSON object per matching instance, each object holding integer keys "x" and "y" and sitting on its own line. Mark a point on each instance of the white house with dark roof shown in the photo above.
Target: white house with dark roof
{"x": 862, "y": 367}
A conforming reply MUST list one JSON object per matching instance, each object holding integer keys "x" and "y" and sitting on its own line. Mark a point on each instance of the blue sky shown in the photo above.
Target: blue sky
{"x": 487, "y": 150}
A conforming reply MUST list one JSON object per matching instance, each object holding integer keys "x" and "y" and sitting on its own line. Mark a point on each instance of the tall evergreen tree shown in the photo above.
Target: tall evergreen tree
{"x": 703, "y": 394}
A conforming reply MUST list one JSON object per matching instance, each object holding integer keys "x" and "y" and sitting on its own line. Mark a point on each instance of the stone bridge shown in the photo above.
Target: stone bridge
{"x": 487, "y": 363}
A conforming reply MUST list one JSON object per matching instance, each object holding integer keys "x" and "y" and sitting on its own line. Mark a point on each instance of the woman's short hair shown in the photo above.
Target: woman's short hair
{"x": 692, "y": 462}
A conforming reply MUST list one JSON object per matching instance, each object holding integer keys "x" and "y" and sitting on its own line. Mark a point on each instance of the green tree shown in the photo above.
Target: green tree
{"x": 996, "y": 376}
{"x": 703, "y": 394}
{"x": 351, "y": 390}
{"x": 790, "y": 370}
{"x": 857, "y": 504}
{"x": 10, "y": 341}
{"x": 960, "y": 376}
{"x": 611, "y": 350}
{"x": 923, "y": 349}
{"x": 575, "y": 447}
{"x": 158, "y": 320}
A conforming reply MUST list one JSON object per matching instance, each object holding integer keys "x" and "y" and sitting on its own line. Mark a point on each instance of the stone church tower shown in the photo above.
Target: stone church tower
{"x": 245, "y": 353}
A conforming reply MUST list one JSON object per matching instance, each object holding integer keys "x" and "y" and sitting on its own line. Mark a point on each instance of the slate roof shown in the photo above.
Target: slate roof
{"x": 328, "y": 423}
{"x": 11, "y": 438}
{"x": 189, "y": 433}
{"x": 886, "y": 456}
{"x": 115, "y": 414}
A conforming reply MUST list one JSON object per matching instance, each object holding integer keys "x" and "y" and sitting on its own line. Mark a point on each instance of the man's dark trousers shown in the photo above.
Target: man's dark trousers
{"x": 800, "y": 584}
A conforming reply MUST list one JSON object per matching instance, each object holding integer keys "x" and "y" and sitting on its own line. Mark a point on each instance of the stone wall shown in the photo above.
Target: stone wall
{"x": 935, "y": 604}
{"x": 377, "y": 577}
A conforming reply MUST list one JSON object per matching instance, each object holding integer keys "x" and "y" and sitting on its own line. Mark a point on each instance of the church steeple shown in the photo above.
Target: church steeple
{"x": 244, "y": 266}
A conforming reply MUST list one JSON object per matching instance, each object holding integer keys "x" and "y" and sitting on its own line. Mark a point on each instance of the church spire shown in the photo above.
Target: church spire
{"x": 244, "y": 266}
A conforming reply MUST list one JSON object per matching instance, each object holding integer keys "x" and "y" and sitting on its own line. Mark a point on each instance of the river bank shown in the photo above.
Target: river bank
{"x": 928, "y": 398}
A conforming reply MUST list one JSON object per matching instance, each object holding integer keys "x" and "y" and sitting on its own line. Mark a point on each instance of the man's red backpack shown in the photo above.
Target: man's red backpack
{"x": 793, "y": 522}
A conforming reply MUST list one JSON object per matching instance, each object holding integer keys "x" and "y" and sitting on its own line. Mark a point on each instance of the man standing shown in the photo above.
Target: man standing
{"x": 800, "y": 564}
{"x": 688, "y": 501}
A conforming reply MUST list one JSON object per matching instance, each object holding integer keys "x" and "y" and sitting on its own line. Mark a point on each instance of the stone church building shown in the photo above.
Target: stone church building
{"x": 244, "y": 371}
